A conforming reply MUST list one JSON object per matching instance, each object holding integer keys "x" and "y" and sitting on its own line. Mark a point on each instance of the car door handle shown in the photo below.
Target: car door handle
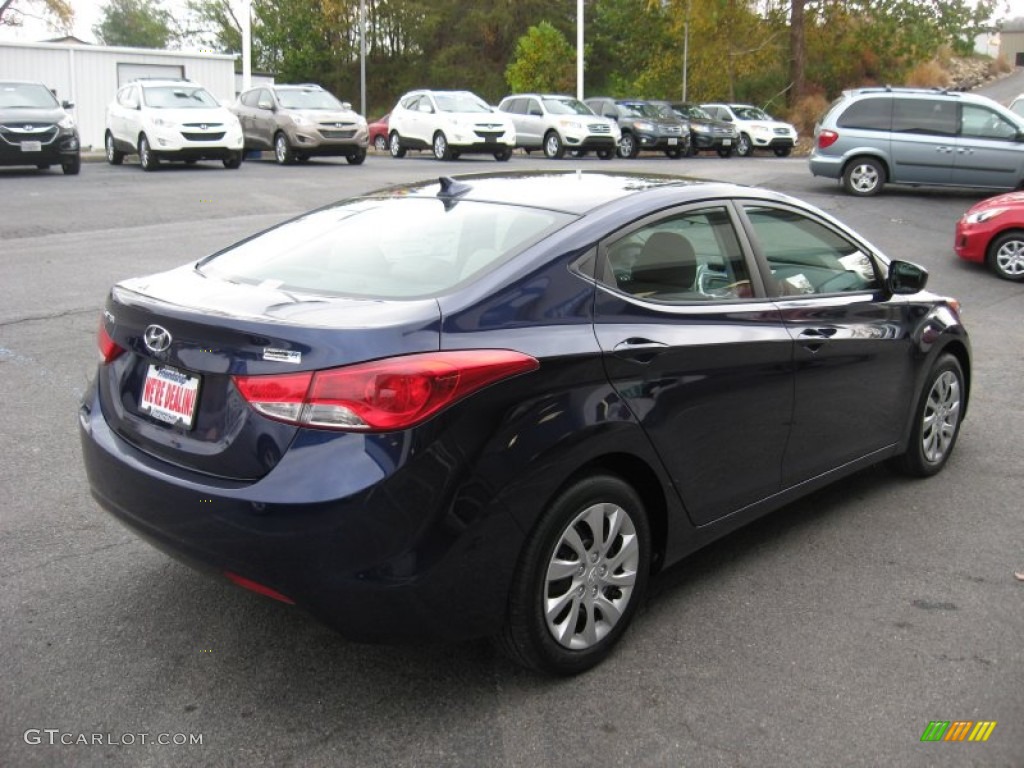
{"x": 947, "y": 150}
{"x": 639, "y": 349}
{"x": 818, "y": 333}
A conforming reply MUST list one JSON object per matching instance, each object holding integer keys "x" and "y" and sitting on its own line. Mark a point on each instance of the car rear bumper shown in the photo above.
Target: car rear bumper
{"x": 823, "y": 165}
{"x": 345, "y": 545}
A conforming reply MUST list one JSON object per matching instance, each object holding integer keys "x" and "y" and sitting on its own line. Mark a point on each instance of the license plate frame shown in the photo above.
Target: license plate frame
{"x": 726, "y": 142}
{"x": 673, "y": 142}
{"x": 31, "y": 146}
{"x": 170, "y": 395}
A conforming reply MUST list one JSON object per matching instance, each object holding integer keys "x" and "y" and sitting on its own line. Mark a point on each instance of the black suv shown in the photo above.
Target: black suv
{"x": 644, "y": 126}
{"x": 706, "y": 133}
{"x": 35, "y": 129}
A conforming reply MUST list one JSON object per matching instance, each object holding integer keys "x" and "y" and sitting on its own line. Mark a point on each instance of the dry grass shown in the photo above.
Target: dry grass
{"x": 929, "y": 74}
{"x": 807, "y": 112}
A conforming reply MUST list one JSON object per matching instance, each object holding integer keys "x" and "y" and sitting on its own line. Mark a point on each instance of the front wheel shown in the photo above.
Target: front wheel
{"x": 744, "y": 148}
{"x": 356, "y": 158}
{"x": 283, "y": 152}
{"x": 114, "y": 156}
{"x": 864, "y": 177}
{"x": 441, "y": 149}
{"x": 72, "y": 167}
{"x": 1006, "y": 256}
{"x": 937, "y": 417}
{"x": 147, "y": 157}
{"x": 234, "y": 160}
{"x": 581, "y": 576}
{"x": 553, "y": 147}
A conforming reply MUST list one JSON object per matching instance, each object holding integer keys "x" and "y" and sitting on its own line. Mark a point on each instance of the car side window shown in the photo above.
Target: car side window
{"x": 690, "y": 257}
{"x": 980, "y": 123}
{"x": 805, "y": 256}
{"x": 935, "y": 117}
{"x": 533, "y": 108}
{"x": 512, "y": 106}
{"x": 128, "y": 98}
{"x": 249, "y": 98}
{"x": 870, "y": 114}
{"x": 409, "y": 102}
{"x": 264, "y": 99}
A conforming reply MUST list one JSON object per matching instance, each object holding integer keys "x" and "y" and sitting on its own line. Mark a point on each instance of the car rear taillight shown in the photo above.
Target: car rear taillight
{"x": 395, "y": 393}
{"x": 827, "y": 138}
{"x": 109, "y": 349}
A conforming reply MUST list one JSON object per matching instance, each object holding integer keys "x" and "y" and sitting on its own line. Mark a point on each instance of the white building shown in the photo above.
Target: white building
{"x": 89, "y": 75}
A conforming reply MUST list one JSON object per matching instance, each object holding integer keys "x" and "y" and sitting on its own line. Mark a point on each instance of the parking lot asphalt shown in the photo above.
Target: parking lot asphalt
{"x": 829, "y": 633}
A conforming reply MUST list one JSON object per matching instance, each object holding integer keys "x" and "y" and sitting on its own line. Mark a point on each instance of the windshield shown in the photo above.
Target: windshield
{"x": 634, "y": 109}
{"x": 355, "y": 249}
{"x": 178, "y": 97}
{"x": 751, "y": 113}
{"x": 307, "y": 98}
{"x": 26, "y": 96}
{"x": 460, "y": 102}
{"x": 692, "y": 111}
{"x": 566, "y": 106}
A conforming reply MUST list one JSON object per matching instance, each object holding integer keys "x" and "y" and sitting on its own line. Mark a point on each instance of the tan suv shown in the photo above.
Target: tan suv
{"x": 299, "y": 122}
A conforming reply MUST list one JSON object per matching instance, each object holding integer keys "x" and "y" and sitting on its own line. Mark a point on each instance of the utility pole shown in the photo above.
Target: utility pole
{"x": 579, "y": 49}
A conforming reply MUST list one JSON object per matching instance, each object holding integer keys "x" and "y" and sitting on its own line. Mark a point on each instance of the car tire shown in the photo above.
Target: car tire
{"x": 114, "y": 156}
{"x": 1006, "y": 255}
{"x": 937, "y": 416}
{"x": 283, "y": 152}
{"x": 42, "y": 166}
{"x": 440, "y": 146}
{"x": 744, "y": 147}
{"x": 234, "y": 160}
{"x": 783, "y": 151}
{"x": 380, "y": 143}
{"x": 395, "y": 145}
{"x": 726, "y": 152}
{"x": 863, "y": 177}
{"x": 356, "y": 158}
{"x": 148, "y": 160}
{"x": 554, "y": 149}
{"x": 502, "y": 155}
{"x": 674, "y": 154}
{"x": 72, "y": 167}
{"x": 628, "y": 146}
{"x": 691, "y": 148}
{"x": 594, "y": 584}
{"x": 606, "y": 154}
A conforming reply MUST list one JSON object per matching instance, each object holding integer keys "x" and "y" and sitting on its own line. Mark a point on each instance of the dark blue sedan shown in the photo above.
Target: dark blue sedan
{"x": 496, "y": 405}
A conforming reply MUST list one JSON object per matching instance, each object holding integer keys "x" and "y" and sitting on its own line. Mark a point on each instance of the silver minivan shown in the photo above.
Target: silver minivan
{"x": 874, "y": 136}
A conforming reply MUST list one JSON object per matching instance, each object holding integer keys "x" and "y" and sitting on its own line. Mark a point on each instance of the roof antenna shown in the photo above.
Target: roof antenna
{"x": 451, "y": 189}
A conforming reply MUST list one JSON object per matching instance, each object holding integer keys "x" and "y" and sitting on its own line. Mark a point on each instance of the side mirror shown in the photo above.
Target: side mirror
{"x": 347, "y": 106}
{"x": 905, "y": 278}
{"x": 425, "y": 108}
{"x": 67, "y": 104}
{"x": 265, "y": 105}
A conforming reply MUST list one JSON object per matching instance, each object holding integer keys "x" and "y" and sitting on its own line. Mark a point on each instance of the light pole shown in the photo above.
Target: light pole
{"x": 579, "y": 49}
{"x": 246, "y": 44}
{"x": 362, "y": 57}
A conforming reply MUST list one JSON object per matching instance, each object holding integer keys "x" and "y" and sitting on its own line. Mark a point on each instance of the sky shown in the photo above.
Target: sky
{"x": 87, "y": 13}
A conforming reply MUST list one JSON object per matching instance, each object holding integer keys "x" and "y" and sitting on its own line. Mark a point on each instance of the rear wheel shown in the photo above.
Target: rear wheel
{"x": 580, "y": 578}
{"x": 43, "y": 166}
{"x": 380, "y": 143}
{"x": 937, "y": 418}
{"x": 233, "y": 161}
{"x": 147, "y": 157}
{"x": 1006, "y": 255}
{"x": 114, "y": 156}
{"x": 553, "y": 147}
{"x": 725, "y": 152}
{"x": 441, "y": 149}
{"x": 605, "y": 154}
{"x": 283, "y": 150}
{"x": 628, "y": 146}
{"x": 395, "y": 144}
{"x": 783, "y": 151}
{"x": 675, "y": 154}
{"x": 356, "y": 158}
{"x": 502, "y": 155}
{"x": 864, "y": 176}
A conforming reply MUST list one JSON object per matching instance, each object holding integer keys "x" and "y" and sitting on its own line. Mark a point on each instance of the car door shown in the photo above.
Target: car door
{"x": 263, "y": 118}
{"x": 853, "y": 346}
{"x": 533, "y": 123}
{"x": 702, "y": 362}
{"x": 989, "y": 151}
{"x": 923, "y": 140}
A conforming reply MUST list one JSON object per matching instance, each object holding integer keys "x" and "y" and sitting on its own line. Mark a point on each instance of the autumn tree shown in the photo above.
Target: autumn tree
{"x": 57, "y": 13}
{"x": 544, "y": 61}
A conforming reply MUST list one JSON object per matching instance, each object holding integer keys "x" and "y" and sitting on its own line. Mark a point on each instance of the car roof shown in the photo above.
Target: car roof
{"x": 146, "y": 82}
{"x": 576, "y": 192}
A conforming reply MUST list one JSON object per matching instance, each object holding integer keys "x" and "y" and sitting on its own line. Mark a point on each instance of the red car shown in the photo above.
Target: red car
{"x": 379, "y": 133}
{"x": 992, "y": 232}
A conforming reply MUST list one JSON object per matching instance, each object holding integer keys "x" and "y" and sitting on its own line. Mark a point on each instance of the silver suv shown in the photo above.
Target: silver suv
{"x": 873, "y": 136}
{"x": 299, "y": 122}
{"x": 556, "y": 123}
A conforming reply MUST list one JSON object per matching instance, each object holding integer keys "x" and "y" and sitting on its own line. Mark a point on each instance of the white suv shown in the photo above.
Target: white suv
{"x": 171, "y": 120}
{"x": 757, "y": 129}
{"x": 555, "y": 123}
{"x": 450, "y": 123}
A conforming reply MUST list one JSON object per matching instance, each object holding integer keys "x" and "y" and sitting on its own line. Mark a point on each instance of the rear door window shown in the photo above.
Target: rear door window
{"x": 935, "y": 117}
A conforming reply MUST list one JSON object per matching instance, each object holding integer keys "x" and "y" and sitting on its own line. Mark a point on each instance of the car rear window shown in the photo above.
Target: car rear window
{"x": 384, "y": 248}
{"x": 872, "y": 114}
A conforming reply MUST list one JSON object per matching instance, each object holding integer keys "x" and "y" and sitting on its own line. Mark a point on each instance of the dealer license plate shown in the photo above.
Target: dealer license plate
{"x": 170, "y": 395}
{"x": 31, "y": 146}
{"x": 673, "y": 142}
{"x": 726, "y": 142}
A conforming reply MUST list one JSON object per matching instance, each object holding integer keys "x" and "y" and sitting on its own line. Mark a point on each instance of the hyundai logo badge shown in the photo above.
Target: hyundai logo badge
{"x": 156, "y": 339}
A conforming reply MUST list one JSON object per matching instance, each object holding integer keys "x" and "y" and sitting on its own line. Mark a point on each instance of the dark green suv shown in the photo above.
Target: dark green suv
{"x": 35, "y": 129}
